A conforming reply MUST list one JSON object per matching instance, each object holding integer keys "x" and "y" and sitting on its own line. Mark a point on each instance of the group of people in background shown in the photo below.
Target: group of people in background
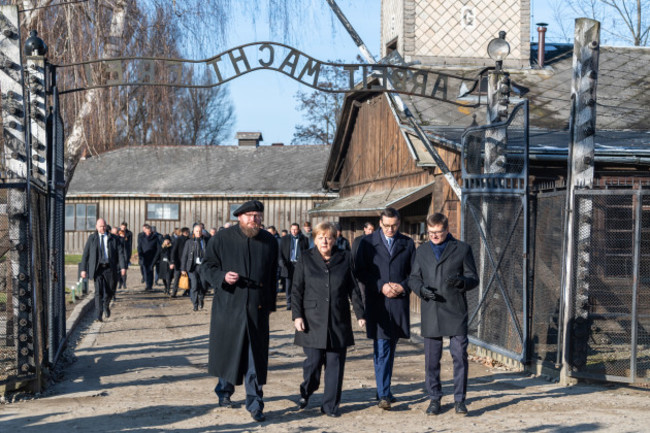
{"x": 323, "y": 276}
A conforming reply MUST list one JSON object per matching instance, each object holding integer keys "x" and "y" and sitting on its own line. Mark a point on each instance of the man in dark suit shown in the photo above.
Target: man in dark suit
{"x": 383, "y": 266}
{"x": 443, "y": 271}
{"x": 177, "y": 250}
{"x": 101, "y": 259}
{"x": 291, "y": 248}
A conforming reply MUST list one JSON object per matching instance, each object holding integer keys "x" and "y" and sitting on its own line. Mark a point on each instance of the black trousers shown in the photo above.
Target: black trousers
{"x": 104, "y": 283}
{"x": 197, "y": 289}
{"x": 432, "y": 354}
{"x": 334, "y": 362}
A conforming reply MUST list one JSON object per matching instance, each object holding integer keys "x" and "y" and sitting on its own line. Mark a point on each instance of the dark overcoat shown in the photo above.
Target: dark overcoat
{"x": 240, "y": 312}
{"x": 321, "y": 295}
{"x": 446, "y": 315}
{"x": 386, "y": 318}
{"x": 286, "y": 266}
{"x": 90, "y": 256}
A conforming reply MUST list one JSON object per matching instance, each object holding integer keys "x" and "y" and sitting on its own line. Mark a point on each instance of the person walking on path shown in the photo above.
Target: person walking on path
{"x": 148, "y": 250}
{"x": 291, "y": 249}
{"x": 383, "y": 266}
{"x": 177, "y": 251}
{"x": 443, "y": 271}
{"x": 165, "y": 262}
{"x": 240, "y": 263}
{"x": 323, "y": 287}
{"x": 191, "y": 262}
{"x": 102, "y": 259}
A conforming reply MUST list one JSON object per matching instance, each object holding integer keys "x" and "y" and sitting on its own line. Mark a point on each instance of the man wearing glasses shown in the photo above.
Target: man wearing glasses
{"x": 241, "y": 264}
{"x": 443, "y": 271}
{"x": 383, "y": 266}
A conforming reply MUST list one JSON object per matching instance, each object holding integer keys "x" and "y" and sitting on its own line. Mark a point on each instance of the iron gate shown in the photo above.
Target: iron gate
{"x": 495, "y": 224}
{"x": 609, "y": 327}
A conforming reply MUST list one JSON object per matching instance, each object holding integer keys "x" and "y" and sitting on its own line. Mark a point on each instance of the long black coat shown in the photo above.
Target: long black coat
{"x": 148, "y": 249}
{"x": 286, "y": 266}
{"x": 90, "y": 257}
{"x": 321, "y": 295}
{"x": 177, "y": 250}
{"x": 446, "y": 315}
{"x": 385, "y": 317}
{"x": 240, "y": 311}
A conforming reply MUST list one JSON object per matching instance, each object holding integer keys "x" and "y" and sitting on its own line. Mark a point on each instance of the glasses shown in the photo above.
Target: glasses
{"x": 436, "y": 233}
{"x": 390, "y": 226}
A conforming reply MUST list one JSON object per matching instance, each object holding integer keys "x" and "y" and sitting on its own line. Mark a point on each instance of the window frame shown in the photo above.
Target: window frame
{"x": 74, "y": 225}
{"x": 146, "y": 210}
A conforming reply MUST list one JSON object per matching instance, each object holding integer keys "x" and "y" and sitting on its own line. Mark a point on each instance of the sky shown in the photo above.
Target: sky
{"x": 265, "y": 100}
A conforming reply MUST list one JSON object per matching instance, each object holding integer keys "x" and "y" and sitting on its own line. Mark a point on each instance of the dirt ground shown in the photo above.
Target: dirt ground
{"x": 144, "y": 369}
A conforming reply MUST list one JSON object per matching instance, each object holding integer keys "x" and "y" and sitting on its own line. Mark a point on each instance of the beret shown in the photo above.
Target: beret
{"x": 249, "y": 206}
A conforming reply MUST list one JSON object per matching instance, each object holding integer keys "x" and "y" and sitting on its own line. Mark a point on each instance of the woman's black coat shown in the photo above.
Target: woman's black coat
{"x": 321, "y": 295}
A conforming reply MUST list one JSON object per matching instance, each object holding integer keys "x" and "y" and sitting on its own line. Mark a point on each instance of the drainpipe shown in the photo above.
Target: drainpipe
{"x": 541, "y": 45}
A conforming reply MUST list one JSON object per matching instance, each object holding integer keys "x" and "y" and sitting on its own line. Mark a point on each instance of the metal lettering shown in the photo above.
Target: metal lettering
{"x": 271, "y": 55}
{"x": 291, "y": 63}
{"x": 399, "y": 78}
{"x": 351, "y": 69}
{"x": 419, "y": 84}
{"x": 214, "y": 62}
{"x": 114, "y": 66}
{"x": 311, "y": 69}
{"x": 235, "y": 60}
{"x": 146, "y": 71}
{"x": 383, "y": 78}
{"x": 442, "y": 79}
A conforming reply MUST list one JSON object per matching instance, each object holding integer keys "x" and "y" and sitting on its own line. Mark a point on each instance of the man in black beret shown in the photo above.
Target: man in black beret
{"x": 241, "y": 263}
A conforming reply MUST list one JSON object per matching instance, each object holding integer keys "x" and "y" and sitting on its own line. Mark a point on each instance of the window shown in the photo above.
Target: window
{"x": 391, "y": 46}
{"x": 80, "y": 216}
{"x": 162, "y": 211}
{"x": 233, "y": 208}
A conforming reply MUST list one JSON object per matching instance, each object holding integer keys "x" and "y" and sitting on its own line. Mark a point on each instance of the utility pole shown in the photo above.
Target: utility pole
{"x": 578, "y": 228}
{"x": 449, "y": 176}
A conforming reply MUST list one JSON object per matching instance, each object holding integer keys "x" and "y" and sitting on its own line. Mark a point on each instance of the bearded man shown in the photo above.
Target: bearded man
{"x": 241, "y": 263}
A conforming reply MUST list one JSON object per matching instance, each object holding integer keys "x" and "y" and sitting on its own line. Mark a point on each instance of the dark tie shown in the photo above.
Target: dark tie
{"x": 103, "y": 250}
{"x": 390, "y": 245}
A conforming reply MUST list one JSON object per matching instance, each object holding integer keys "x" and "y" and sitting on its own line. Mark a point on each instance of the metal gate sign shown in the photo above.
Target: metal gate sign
{"x": 241, "y": 60}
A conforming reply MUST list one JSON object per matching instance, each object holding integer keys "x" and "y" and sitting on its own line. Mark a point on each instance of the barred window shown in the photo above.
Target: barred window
{"x": 80, "y": 216}
{"x": 163, "y": 211}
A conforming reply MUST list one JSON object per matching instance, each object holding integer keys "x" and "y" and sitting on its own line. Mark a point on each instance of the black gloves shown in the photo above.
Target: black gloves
{"x": 427, "y": 294}
{"x": 457, "y": 282}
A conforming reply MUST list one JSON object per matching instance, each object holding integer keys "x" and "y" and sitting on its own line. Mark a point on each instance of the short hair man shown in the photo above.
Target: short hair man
{"x": 177, "y": 251}
{"x": 241, "y": 263}
{"x": 148, "y": 250}
{"x": 383, "y": 265}
{"x": 443, "y": 271}
{"x": 291, "y": 249}
{"x": 103, "y": 256}
{"x": 306, "y": 228}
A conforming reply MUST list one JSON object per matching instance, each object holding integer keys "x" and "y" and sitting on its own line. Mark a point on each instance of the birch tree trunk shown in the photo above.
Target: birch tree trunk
{"x": 76, "y": 140}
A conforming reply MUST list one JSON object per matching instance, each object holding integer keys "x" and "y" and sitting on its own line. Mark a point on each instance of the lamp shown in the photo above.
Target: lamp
{"x": 498, "y": 49}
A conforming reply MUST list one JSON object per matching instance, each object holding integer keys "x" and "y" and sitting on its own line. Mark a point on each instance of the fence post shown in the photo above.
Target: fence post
{"x": 580, "y": 175}
{"x": 15, "y": 166}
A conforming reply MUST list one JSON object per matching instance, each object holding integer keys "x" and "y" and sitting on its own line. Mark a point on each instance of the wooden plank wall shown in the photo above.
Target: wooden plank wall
{"x": 377, "y": 154}
{"x": 213, "y": 212}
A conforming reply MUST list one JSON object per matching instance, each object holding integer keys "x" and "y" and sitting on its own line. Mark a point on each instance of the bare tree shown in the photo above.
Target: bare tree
{"x": 320, "y": 109}
{"x": 623, "y": 21}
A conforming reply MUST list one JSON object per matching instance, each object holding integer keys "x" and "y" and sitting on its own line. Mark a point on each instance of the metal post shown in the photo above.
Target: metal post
{"x": 449, "y": 176}
{"x": 16, "y": 171}
{"x": 634, "y": 322}
{"x": 580, "y": 174}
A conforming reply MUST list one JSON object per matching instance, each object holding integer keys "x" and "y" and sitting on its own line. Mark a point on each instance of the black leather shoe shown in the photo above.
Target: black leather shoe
{"x": 107, "y": 312}
{"x": 384, "y": 404}
{"x": 225, "y": 402}
{"x": 196, "y": 308}
{"x": 334, "y": 414}
{"x": 201, "y": 304}
{"x": 302, "y": 403}
{"x": 390, "y": 398}
{"x": 460, "y": 408}
{"x": 258, "y": 416}
{"x": 99, "y": 319}
{"x": 434, "y": 407}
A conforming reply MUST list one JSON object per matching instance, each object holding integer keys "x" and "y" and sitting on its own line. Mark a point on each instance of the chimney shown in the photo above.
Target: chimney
{"x": 277, "y": 144}
{"x": 541, "y": 43}
{"x": 251, "y": 139}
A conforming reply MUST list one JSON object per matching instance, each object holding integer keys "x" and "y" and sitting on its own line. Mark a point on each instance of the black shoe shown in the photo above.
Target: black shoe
{"x": 384, "y": 404}
{"x": 303, "y": 402}
{"x": 99, "y": 319}
{"x": 460, "y": 408}
{"x": 142, "y": 281}
{"x": 390, "y": 398}
{"x": 434, "y": 407}
{"x": 334, "y": 414}
{"x": 225, "y": 402}
{"x": 107, "y": 312}
{"x": 258, "y": 416}
{"x": 201, "y": 303}
{"x": 196, "y": 308}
